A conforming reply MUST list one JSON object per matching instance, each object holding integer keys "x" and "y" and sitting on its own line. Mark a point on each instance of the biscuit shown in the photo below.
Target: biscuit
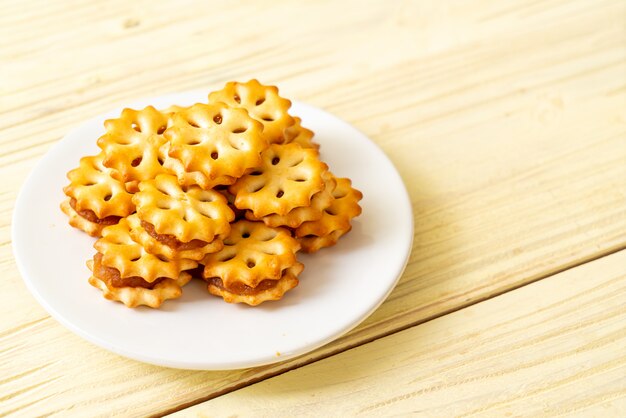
{"x": 193, "y": 178}
{"x": 95, "y": 198}
{"x": 262, "y": 103}
{"x": 131, "y": 144}
{"x": 177, "y": 221}
{"x": 167, "y": 245}
{"x": 122, "y": 253}
{"x": 253, "y": 252}
{"x": 266, "y": 290}
{"x": 335, "y": 221}
{"x": 297, "y": 134}
{"x": 134, "y": 291}
{"x": 213, "y": 144}
{"x": 287, "y": 178}
{"x": 320, "y": 201}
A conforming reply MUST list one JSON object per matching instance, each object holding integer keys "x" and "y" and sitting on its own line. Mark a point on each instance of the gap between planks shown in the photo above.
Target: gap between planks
{"x": 258, "y": 379}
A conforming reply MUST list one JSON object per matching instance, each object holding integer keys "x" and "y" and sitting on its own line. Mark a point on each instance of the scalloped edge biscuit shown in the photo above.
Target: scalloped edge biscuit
{"x": 252, "y": 253}
{"x": 77, "y": 221}
{"x": 287, "y": 281}
{"x": 154, "y": 246}
{"x": 121, "y": 252}
{"x": 136, "y": 296}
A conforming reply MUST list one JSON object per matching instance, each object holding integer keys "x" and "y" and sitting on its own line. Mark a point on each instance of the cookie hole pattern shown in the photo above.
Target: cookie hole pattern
{"x": 193, "y": 123}
{"x": 275, "y": 160}
{"x": 135, "y": 259}
{"x": 162, "y": 190}
{"x": 260, "y": 101}
{"x": 245, "y": 235}
{"x": 108, "y": 197}
{"x": 136, "y": 127}
{"x": 240, "y": 130}
{"x": 237, "y": 99}
{"x": 330, "y": 212}
{"x": 160, "y": 257}
{"x": 163, "y": 205}
{"x": 136, "y": 162}
{"x": 217, "y": 119}
{"x": 267, "y": 118}
{"x": 339, "y": 194}
{"x": 227, "y": 258}
{"x": 214, "y": 155}
{"x": 268, "y": 237}
{"x": 295, "y": 163}
{"x": 256, "y": 173}
{"x": 250, "y": 264}
{"x": 161, "y": 130}
{"x": 280, "y": 194}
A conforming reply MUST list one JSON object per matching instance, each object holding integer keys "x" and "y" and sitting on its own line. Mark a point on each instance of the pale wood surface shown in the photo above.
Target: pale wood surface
{"x": 553, "y": 347}
{"x": 507, "y": 121}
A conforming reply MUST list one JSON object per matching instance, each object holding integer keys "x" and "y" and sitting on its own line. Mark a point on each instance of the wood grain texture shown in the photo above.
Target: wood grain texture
{"x": 554, "y": 347}
{"x": 507, "y": 121}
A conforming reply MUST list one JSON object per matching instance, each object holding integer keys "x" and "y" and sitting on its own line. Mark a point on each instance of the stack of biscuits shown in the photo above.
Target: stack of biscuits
{"x": 226, "y": 191}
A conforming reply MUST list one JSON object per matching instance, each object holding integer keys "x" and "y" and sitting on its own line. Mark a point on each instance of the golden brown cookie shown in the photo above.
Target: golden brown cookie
{"x": 335, "y": 221}
{"x": 122, "y": 253}
{"x": 266, "y": 290}
{"x": 95, "y": 199}
{"x": 320, "y": 201}
{"x": 253, "y": 252}
{"x": 177, "y": 221}
{"x": 287, "y": 178}
{"x": 213, "y": 144}
{"x": 134, "y": 291}
{"x": 131, "y": 144}
{"x": 262, "y": 103}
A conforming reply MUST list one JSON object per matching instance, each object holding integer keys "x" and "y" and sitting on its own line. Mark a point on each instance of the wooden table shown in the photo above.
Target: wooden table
{"x": 507, "y": 121}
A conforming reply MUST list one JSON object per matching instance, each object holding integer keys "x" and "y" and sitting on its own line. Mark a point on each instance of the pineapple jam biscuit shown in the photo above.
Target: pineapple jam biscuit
{"x": 264, "y": 291}
{"x": 297, "y": 216}
{"x": 252, "y": 253}
{"x": 262, "y": 103}
{"x": 134, "y": 291}
{"x": 95, "y": 199}
{"x": 122, "y": 253}
{"x": 132, "y": 142}
{"x": 287, "y": 178}
{"x": 335, "y": 221}
{"x": 177, "y": 221}
{"x": 213, "y": 144}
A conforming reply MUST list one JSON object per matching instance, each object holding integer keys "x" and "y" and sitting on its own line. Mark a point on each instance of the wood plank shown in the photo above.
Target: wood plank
{"x": 554, "y": 347}
{"x": 506, "y": 121}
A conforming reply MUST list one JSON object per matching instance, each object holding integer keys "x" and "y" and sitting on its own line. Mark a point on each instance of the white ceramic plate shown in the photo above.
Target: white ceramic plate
{"x": 339, "y": 287}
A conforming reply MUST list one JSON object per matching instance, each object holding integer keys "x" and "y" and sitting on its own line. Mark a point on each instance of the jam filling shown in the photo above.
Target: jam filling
{"x": 91, "y": 216}
{"x": 239, "y": 288}
{"x": 111, "y": 276}
{"x": 170, "y": 240}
